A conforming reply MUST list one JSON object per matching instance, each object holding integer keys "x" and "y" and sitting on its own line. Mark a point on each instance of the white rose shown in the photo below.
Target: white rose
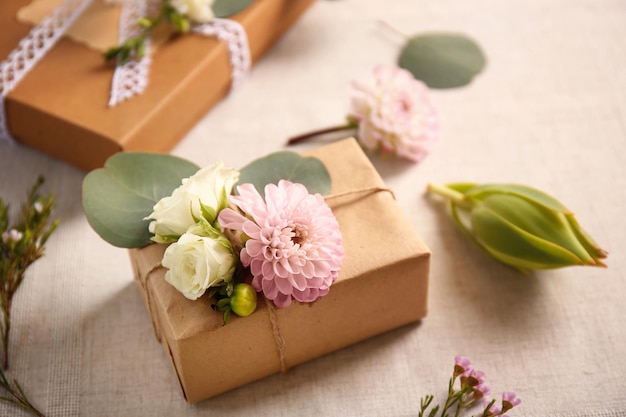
{"x": 199, "y": 11}
{"x": 196, "y": 262}
{"x": 173, "y": 215}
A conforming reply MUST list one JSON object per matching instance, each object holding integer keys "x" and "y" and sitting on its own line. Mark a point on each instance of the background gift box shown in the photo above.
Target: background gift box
{"x": 60, "y": 107}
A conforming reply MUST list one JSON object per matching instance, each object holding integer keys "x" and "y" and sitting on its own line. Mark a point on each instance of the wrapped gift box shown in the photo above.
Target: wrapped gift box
{"x": 384, "y": 259}
{"x": 60, "y": 107}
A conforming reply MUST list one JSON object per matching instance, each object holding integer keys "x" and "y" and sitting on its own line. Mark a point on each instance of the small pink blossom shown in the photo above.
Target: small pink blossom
{"x": 394, "y": 113}
{"x": 462, "y": 366}
{"x": 473, "y": 379}
{"x": 509, "y": 400}
{"x": 480, "y": 392}
{"x": 293, "y": 243}
{"x": 494, "y": 410}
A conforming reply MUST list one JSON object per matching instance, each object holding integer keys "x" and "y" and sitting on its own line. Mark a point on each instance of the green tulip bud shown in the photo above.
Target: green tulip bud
{"x": 243, "y": 300}
{"x": 520, "y": 226}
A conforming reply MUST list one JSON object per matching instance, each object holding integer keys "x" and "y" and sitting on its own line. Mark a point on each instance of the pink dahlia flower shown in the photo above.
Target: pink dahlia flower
{"x": 394, "y": 113}
{"x": 293, "y": 243}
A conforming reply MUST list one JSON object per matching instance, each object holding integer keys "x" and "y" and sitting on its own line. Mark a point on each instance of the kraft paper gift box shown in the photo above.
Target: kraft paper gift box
{"x": 383, "y": 257}
{"x": 60, "y": 107}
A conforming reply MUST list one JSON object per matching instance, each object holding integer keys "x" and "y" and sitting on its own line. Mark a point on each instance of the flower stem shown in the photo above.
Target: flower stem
{"x": 5, "y": 336}
{"x": 394, "y": 30}
{"x": 449, "y": 194}
{"x": 17, "y": 395}
{"x": 309, "y": 135}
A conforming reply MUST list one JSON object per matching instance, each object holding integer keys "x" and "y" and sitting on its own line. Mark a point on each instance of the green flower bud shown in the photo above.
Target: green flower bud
{"x": 243, "y": 300}
{"x": 520, "y": 226}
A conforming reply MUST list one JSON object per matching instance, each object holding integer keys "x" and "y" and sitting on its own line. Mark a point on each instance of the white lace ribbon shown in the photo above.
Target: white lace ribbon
{"x": 131, "y": 78}
{"x": 31, "y": 49}
{"x": 234, "y": 35}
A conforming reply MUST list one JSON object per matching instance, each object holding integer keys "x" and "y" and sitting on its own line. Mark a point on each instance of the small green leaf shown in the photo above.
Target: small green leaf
{"x": 442, "y": 60}
{"x": 118, "y": 197}
{"x": 310, "y": 172}
{"x": 226, "y": 8}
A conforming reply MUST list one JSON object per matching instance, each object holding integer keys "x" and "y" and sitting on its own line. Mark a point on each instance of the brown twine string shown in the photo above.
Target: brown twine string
{"x": 279, "y": 340}
{"x": 370, "y": 190}
{"x": 144, "y": 283}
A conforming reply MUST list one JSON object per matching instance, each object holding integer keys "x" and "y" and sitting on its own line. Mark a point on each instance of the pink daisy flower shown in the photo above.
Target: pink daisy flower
{"x": 293, "y": 244}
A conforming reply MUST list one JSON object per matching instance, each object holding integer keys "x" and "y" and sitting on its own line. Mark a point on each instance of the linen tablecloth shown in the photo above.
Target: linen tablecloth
{"x": 549, "y": 111}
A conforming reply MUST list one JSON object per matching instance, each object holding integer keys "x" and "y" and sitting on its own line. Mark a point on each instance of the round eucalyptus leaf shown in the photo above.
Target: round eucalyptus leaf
{"x": 118, "y": 197}
{"x": 442, "y": 60}
{"x": 308, "y": 171}
{"x": 226, "y": 8}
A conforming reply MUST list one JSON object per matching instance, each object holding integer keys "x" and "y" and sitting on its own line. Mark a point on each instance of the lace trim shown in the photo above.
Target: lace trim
{"x": 131, "y": 78}
{"x": 234, "y": 35}
{"x": 31, "y": 49}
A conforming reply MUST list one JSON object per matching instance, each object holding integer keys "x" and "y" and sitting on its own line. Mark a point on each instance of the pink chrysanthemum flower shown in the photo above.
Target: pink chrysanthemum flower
{"x": 394, "y": 113}
{"x": 293, "y": 243}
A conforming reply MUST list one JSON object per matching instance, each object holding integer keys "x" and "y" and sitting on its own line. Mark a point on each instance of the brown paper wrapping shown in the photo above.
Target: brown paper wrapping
{"x": 60, "y": 107}
{"x": 383, "y": 258}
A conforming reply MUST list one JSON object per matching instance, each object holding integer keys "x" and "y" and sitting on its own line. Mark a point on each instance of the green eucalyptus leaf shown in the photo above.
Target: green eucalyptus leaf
{"x": 442, "y": 60}
{"x": 226, "y": 8}
{"x": 118, "y": 197}
{"x": 308, "y": 171}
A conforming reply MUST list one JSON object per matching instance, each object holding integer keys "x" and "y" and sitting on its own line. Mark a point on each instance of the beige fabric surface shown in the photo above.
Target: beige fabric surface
{"x": 549, "y": 111}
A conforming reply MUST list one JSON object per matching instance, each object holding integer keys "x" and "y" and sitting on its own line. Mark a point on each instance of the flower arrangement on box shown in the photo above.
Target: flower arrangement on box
{"x": 180, "y": 15}
{"x": 231, "y": 233}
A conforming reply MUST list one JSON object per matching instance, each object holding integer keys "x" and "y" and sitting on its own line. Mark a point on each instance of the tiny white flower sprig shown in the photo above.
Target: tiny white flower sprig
{"x": 21, "y": 245}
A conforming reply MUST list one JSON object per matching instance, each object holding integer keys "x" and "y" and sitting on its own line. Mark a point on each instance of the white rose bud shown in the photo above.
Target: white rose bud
{"x": 199, "y": 11}
{"x": 197, "y": 261}
{"x": 209, "y": 187}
